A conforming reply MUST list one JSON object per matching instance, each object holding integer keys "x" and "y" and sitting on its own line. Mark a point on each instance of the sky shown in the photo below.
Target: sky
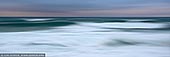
{"x": 85, "y": 8}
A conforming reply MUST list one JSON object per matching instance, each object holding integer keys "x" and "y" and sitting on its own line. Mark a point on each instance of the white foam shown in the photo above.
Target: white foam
{"x": 36, "y": 19}
{"x": 81, "y": 41}
{"x": 125, "y": 25}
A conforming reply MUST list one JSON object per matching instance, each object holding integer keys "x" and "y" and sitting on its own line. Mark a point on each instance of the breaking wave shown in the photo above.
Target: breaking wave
{"x": 87, "y": 37}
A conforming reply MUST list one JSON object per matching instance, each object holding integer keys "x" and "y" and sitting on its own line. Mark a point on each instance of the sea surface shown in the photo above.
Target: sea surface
{"x": 86, "y": 36}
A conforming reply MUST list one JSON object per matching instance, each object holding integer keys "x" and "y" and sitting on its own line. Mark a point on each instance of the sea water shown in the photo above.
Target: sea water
{"x": 87, "y": 36}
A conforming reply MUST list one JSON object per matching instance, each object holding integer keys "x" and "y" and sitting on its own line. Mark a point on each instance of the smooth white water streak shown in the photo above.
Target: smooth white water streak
{"x": 89, "y": 40}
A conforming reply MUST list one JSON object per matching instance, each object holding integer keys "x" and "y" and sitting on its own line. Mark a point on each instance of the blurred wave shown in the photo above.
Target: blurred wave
{"x": 87, "y": 36}
{"x": 46, "y": 44}
{"x": 107, "y": 23}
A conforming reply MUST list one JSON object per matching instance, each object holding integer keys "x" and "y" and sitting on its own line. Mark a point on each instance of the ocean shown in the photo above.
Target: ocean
{"x": 86, "y": 36}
